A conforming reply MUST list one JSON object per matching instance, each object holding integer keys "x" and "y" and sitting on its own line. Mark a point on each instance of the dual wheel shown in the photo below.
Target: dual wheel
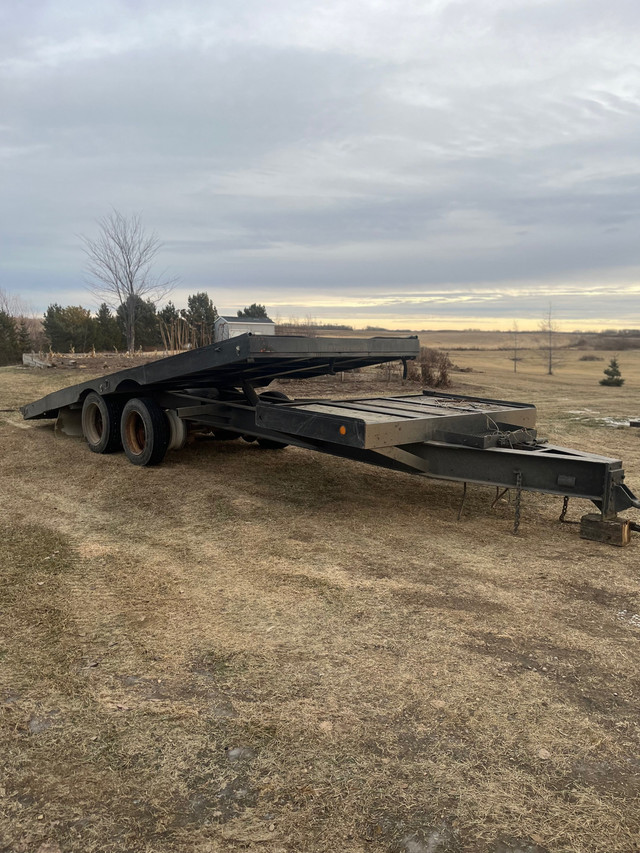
{"x": 140, "y": 428}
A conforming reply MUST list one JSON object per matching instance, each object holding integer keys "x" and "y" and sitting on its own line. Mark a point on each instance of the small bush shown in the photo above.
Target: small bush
{"x": 591, "y": 358}
{"x": 431, "y": 368}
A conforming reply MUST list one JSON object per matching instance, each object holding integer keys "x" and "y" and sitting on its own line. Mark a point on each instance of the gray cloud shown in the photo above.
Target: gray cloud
{"x": 324, "y": 157}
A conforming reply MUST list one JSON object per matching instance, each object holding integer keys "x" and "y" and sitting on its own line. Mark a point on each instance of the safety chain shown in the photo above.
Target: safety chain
{"x": 516, "y": 518}
{"x": 565, "y": 505}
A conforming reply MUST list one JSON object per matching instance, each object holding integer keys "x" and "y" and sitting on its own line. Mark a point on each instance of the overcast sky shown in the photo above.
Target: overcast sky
{"x": 413, "y": 164}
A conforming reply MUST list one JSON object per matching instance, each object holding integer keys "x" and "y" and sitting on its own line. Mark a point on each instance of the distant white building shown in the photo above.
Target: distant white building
{"x": 230, "y": 327}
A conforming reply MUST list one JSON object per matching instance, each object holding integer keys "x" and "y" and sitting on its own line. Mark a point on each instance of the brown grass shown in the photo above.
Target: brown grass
{"x": 282, "y": 651}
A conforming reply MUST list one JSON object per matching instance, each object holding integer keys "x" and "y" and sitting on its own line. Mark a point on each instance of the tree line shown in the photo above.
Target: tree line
{"x": 120, "y": 272}
{"x": 72, "y": 328}
{"x": 76, "y": 329}
{"x": 15, "y": 338}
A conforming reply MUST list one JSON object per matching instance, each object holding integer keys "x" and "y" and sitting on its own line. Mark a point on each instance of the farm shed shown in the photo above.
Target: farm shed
{"x": 231, "y": 327}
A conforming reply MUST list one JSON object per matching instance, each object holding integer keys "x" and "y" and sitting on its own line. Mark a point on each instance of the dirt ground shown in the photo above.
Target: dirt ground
{"x": 281, "y": 651}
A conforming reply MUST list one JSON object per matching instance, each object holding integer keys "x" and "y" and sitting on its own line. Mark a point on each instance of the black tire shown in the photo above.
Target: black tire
{"x": 145, "y": 431}
{"x": 101, "y": 423}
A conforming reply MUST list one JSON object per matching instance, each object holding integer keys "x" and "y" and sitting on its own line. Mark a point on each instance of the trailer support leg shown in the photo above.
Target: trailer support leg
{"x": 613, "y": 531}
{"x": 464, "y": 495}
{"x": 499, "y": 495}
{"x": 518, "y": 503}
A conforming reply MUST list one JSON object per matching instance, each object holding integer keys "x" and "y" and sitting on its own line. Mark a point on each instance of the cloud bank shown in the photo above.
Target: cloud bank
{"x": 435, "y": 163}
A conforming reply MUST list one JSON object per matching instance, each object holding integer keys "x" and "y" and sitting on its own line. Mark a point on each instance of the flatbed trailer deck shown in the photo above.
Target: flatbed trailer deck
{"x": 149, "y": 409}
{"x": 257, "y": 359}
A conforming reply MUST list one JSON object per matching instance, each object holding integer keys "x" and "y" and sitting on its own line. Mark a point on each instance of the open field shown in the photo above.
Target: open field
{"x": 464, "y": 340}
{"x": 252, "y": 650}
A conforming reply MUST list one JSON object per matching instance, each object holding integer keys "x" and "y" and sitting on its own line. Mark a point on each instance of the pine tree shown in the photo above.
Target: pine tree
{"x": 201, "y": 314}
{"x": 169, "y": 314}
{"x": 9, "y": 349}
{"x": 70, "y": 329}
{"x": 108, "y": 333}
{"x": 145, "y": 326}
{"x": 254, "y": 310}
{"x": 24, "y": 338}
{"x": 612, "y": 374}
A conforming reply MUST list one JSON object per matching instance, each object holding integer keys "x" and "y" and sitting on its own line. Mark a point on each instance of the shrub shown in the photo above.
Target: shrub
{"x": 432, "y": 368}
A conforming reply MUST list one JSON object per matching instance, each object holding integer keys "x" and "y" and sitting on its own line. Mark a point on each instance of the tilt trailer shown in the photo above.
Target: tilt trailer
{"x": 150, "y": 409}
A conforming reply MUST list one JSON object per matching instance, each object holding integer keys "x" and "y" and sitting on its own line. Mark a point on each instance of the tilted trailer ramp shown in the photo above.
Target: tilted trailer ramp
{"x": 150, "y": 409}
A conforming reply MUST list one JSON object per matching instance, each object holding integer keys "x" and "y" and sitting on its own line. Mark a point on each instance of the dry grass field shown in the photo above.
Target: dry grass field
{"x": 280, "y": 651}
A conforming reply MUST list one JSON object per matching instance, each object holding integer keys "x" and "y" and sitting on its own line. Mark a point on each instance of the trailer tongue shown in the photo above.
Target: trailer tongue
{"x": 149, "y": 409}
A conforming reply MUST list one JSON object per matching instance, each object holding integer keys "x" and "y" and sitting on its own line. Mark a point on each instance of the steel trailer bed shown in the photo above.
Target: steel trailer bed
{"x": 150, "y": 409}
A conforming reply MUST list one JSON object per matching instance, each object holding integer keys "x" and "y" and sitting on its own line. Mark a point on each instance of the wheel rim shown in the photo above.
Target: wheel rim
{"x": 94, "y": 424}
{"x": 135, "y": 433}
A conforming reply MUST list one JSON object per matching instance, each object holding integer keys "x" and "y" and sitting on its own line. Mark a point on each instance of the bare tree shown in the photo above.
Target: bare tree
{"x": 119, "y": 266}
{"x": 549, "y": 329}
{"x": 515, "y": 332}
{"x": 24, "y": 314}
{"x": 12, "y": 305}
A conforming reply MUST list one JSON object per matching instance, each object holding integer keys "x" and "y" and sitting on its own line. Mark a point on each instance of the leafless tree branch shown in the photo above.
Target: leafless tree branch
{"x": 119, "y": 266}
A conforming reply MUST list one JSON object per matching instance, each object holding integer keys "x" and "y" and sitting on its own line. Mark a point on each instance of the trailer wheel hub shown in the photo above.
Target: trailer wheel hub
{"x": 136, "y": 434}
{"x": 94, "y": 423}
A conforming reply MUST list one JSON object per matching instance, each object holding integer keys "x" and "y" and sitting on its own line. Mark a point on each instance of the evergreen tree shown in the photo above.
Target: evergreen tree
{"x": 201, "y": 314}
{"x": 146, "y": 326}
{"x": 612, "y": 374}
{"x": 70, "y": 328}
{"x": 254, "y": 310}
{"x": 169, "y": 314}
{"x": 108, "y": 332}
{"x": 9, "y": 348}
{"x": 24, "y": 337}
{"x": 54, "y": 327}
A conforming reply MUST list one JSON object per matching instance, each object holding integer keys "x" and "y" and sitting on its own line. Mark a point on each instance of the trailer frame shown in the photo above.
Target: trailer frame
{"x": 151, "y": 409}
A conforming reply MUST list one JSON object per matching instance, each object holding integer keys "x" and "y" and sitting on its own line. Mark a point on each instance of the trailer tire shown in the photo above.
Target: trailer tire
{"x": 101, "y": 423}
{"x": 145, "y": 431}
